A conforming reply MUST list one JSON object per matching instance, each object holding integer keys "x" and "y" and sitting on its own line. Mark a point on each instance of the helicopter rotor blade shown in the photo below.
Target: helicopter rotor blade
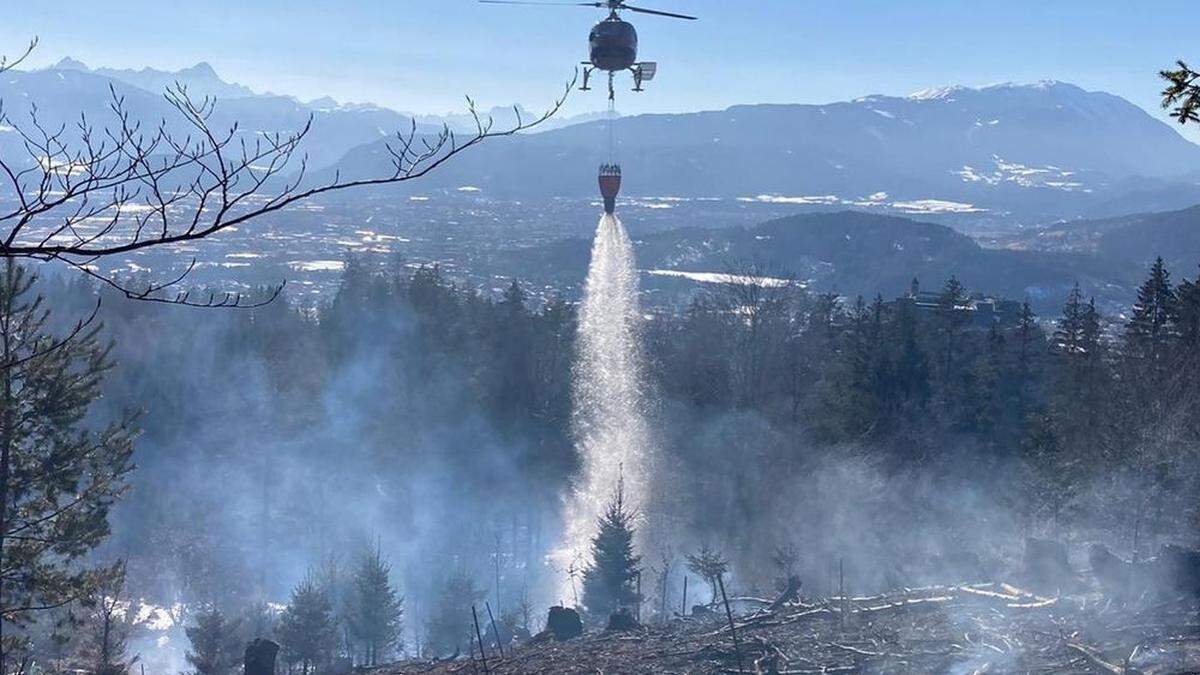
{"x": 655, "y": 12}
{"x": 549, "y": 3}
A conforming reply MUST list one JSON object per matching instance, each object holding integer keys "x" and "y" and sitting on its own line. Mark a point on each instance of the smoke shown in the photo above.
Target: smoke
{"x": 610, "y": 416}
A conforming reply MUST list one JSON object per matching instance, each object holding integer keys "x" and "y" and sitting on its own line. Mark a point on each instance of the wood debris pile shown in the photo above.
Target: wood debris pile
{"x": 970, "y": 628}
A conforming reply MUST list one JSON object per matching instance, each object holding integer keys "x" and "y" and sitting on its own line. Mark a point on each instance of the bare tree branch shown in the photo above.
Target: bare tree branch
{"x": 5, "y": 64}
{"x": 82, "y": 192}
{"x": 152, "y": 292}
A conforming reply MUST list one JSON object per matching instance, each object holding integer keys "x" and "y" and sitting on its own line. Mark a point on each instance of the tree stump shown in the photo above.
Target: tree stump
{"x": 1047, "y": 567}
{"x": 564, "y": 623}
{"x": 1177, "y": 570}
{"x": 1113, "y": 575}
{"x": 622, "y": 620}
{"x": 260, "y": 657}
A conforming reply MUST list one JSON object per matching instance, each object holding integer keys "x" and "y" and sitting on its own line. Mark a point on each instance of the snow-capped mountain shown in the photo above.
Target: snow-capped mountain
{"x": 1049, "y": 147}
{"x": 200, "y": 79}
{"x": 70, "y": 88}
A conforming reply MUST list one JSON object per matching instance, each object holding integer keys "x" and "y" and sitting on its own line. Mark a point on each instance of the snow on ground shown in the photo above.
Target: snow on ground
{"x": 317, "y": 265}
{"x": 719, "y": 278}
{"x": 936, "y": 206}
{"x": 876, "y": 200}
{"x": 1023, "y": 175}
{"x": 780, "y": 199}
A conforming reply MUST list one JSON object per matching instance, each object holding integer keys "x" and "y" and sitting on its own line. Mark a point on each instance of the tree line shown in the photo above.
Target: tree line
{"x": 800, "y": 426}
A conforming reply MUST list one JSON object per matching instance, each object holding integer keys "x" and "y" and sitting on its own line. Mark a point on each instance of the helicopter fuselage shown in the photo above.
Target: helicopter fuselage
{"x": 613, "y": 45}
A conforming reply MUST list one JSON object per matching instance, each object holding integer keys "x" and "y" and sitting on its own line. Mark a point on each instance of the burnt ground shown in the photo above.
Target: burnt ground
{"x": 975, "y": 628}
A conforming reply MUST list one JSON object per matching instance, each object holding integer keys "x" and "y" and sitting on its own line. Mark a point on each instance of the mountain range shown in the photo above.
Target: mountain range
{"x": 64, "y": 92}
{"x": 1025, "y": 151}
{"x": 200, "y": 79}
{"x": 1023, "y": 154}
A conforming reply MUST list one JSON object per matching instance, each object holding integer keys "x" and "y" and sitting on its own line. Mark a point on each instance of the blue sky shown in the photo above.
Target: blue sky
{"x": 424, "y": 56}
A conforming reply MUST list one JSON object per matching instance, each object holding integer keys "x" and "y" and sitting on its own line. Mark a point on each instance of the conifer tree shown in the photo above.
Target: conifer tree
{"x": 1153, "y": 323}
{"x": 1030, "y": 347}
{"x": 1069, "y": 333}
{"x": 950, "y": 303}
{"x": 1182, "y": 94}
{"x": 307, "y": 629}
{"x": 216, "y": 646}
{"x": 376, "y": 609}
{"x": 450, "y": 627}
{"x": 108, "y": 626}
{"x": 911, "y": 375}
{"x": 1091, "y": 328}
{"x": 51, "y": 519}
{"x": 1189, "y": 320}
{"x": 608, "y": 582}
{"x": 1078, "y": 344}
{"x": 711, "y": 566}
{"x": 1151, "y": 336}
{"x": 514, "y": 299}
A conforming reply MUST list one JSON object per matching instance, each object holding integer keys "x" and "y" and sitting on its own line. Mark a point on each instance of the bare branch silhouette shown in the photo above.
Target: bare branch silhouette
{"x": 6, "y": 64}
{"x": 87, "y": 191}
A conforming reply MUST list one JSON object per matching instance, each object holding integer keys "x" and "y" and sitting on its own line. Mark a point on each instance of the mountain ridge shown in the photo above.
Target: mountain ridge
{"x": 1037, "y": 151}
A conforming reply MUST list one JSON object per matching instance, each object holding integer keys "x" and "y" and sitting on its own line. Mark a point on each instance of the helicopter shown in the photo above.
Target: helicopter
{"x": 613, "y": 43}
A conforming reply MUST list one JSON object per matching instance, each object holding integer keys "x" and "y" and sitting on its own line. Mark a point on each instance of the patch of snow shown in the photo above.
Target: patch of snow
{"x": 718, "y": 278}
{"x": 935, "y": 94}
{"x": 780, "y": 199}
{"x": 931, "y": 206}
{"x": 1006, "y": 171}
{"x": 317, "y": 265}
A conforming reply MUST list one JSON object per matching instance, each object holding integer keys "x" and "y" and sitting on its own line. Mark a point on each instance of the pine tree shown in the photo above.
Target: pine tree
{"x": 608, "y": 582}
{"x": 1080, "y": 350}
{"x": 335, "y": 580}
{"x": 1151, "y": 337}
{"x": 1182, "y": 94}
{"x": 910, "y": 379}
{"x": 216, "y": 646}
{"x": 51, "y": 519}
{"x": 1030, "y": 347}
{"x": 375, "y": 610}
{"x": 307, "y": 630}
{"x": 711, "y": 566}
{"x": 1189, "y": 328}
{"x": 450, "y": 627}
{"x": 1069, "y": 333}
{"x": 1153, "y": 324}
{"x": 514, "y": 299}
{"x": 952, "y": 318}
{"x": 108, "y": 625}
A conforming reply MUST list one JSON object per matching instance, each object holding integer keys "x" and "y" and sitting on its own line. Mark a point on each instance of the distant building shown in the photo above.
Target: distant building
{"x": 984, "y": 311}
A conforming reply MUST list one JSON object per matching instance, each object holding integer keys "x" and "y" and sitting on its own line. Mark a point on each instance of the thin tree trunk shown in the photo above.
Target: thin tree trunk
{"x": 6, "y": 439}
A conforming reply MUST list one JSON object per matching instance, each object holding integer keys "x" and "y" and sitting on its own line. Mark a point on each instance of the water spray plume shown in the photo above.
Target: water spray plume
{"x": 609, "y": 403}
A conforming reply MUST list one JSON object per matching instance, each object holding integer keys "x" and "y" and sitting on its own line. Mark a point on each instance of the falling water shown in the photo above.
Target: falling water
{"x": 609, "y": 412}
